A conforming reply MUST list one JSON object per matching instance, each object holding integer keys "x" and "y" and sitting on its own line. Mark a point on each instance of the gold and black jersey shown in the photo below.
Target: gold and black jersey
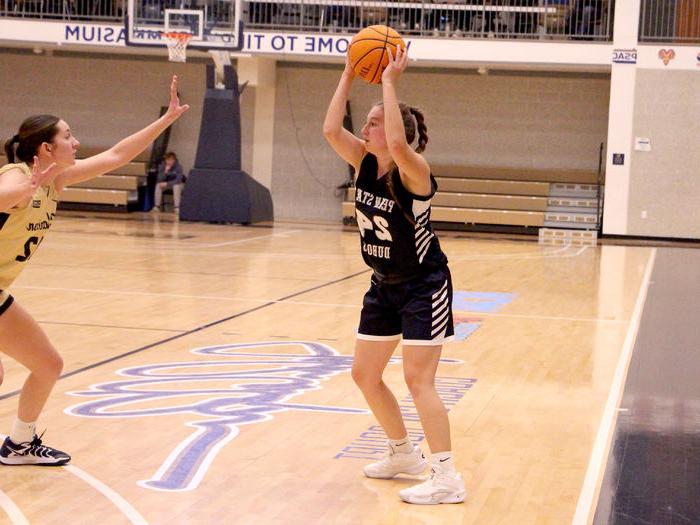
{"x": 23, "y": 229}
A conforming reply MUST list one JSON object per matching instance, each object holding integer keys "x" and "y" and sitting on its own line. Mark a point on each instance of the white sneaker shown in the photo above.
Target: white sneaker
{"x": 394, "y": 463}
{"x": 442, "y": 487}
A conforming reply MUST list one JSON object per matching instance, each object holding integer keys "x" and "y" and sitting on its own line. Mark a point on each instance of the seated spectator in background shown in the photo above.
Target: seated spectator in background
{"x": 490, "y": 26}
{"x": 451, "y": 22}
{"x": 584, "y": 17}
{"x": 524, "y": 22}
{"x": 407, "y": 21}
{"x": 170, "y": 176}
{"x": 340, "y": 16}
{"x": 261, "y": 13}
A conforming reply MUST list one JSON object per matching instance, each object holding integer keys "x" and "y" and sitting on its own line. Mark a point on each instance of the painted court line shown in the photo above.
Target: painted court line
{"x": 554, "y": 254}
{"x": 181, "y": 251}
{"x": 188, "y": 242}
{"x": 551, "y": 254}
{"x": 149, "y": 271}
{"x": 596, "y": 465}
{"x": 242, "y": 241}
{"x": 193, "y": 330}
{"x": 547, "y": 317}
{"x": 537, "y": 253}
{"x": 16, "y": 516}
{"x": 118, "y": 501}
{"x": 183, "y": 296}
{"x": 353, "y": 306}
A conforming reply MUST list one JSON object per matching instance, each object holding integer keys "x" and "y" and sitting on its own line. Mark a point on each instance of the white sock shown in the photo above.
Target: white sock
{"x": 401, "y": 445}
{"x": 22, "y": 432}
{"x": 444, "y": 461}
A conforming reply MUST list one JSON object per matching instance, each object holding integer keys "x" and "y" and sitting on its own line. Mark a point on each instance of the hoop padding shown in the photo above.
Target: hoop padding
{"x": 177, "y": 45}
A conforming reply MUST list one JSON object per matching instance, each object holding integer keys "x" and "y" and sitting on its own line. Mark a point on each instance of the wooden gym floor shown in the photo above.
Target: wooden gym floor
{"x": 207, "y": 379}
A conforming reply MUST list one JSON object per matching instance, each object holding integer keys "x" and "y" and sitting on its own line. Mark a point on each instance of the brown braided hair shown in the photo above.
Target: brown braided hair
{"x": 413, "y": 120}
{"x": 413, "y": 117}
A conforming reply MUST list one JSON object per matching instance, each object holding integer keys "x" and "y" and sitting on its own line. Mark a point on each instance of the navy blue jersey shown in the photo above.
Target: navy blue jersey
{"x": 397, "y": 240}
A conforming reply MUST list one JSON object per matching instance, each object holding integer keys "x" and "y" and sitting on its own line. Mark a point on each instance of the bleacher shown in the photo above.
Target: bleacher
{"x": 509, "y": 197}
{"x": 115, "y": 191}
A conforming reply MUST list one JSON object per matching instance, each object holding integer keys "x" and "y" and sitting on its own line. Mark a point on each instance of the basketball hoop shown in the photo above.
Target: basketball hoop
{"x": 177, "y": 45}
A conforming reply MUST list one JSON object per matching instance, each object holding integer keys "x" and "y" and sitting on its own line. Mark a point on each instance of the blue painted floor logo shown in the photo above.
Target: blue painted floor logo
{"x": 257, "y": 385}
{"x": 468, "y": 305}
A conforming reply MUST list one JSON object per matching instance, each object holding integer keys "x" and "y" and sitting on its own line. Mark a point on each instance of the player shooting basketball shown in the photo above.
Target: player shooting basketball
{"x": 410, "y": 294}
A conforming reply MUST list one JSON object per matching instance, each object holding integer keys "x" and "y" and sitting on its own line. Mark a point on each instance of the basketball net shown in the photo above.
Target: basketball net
{"x": 177, "y": 45}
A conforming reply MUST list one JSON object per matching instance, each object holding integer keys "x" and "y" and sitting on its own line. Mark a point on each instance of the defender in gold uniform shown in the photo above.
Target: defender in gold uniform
{"x": 22, "y": 230}
{"x": 28, "y": 200}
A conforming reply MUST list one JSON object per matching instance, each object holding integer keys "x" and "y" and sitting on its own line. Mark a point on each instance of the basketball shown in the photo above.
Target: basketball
{"x": 367, "y": 51}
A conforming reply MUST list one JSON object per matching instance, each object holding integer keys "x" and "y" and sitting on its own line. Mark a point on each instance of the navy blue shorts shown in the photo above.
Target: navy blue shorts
{"x": 419, "y": 310}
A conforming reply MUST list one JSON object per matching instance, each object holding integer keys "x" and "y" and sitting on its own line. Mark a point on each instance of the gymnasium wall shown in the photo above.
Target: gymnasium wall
{"x": 542, "y": 120}
{"x": 104, "y": 98}
{"x": 667, "y": 111}
{"x": 532, "y": 120}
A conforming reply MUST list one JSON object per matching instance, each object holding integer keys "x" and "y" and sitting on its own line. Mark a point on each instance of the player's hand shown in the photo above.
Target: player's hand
{"x": 349, "y": 71}
{"x": 41, "y": 177}
{"x": 397, "y": 65}
{"x": 175, "y": 110}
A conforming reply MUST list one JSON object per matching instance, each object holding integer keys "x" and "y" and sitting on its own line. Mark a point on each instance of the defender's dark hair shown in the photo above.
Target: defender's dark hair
{"x": 33, "y": 132}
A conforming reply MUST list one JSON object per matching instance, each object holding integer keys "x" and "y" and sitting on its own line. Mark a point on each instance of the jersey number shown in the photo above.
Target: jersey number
{"x": 364, "y": 224}
{"x": 28, "y": 249}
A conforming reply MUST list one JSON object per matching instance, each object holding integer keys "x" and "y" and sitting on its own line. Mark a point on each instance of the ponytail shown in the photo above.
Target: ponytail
{"x": 392, "y": 192}
{"x": 422, "y": 129}
{"x": 413, "y": 122}
{"x": 10, "y": 148}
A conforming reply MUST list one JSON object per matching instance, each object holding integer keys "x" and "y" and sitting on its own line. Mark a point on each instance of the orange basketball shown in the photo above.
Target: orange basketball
{"x": 367, "y": 51}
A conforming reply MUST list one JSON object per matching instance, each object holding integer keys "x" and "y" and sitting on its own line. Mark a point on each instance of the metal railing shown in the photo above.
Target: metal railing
{"x": 529, "y": 19}
{"x": 84, "y": 10}
{"x": 676, "y": 21}
{"x": 534, "y": 19}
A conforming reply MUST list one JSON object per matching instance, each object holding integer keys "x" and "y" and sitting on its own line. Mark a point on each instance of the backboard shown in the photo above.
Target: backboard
{"x": 213, "y": 24}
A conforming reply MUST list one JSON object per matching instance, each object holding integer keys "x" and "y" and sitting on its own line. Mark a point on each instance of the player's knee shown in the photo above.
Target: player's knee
{"x": 418, "y": 382}
{"x": 364, "y": 379}
{"x": 51, "y": 367}
{"x": 57, "y": 365}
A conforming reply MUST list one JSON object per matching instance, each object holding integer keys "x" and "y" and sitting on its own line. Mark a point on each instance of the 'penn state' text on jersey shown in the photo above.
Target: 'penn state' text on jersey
{"x": 396, "y": 248}
{"x": 23, "y": 229}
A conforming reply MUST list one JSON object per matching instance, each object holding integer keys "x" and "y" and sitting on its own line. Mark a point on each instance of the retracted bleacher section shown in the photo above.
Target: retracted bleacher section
{"x": 114, "y": 191}
{"x": 499, "y": 198}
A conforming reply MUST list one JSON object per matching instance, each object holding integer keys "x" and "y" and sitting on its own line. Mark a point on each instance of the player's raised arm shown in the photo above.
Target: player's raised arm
{"x": 414, "y": 169}
{"x": 346, "y": 145}
{"x": 126, "y": 149}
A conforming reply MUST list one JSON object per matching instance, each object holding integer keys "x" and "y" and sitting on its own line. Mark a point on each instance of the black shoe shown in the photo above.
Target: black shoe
{"x": 31, "y": 453}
